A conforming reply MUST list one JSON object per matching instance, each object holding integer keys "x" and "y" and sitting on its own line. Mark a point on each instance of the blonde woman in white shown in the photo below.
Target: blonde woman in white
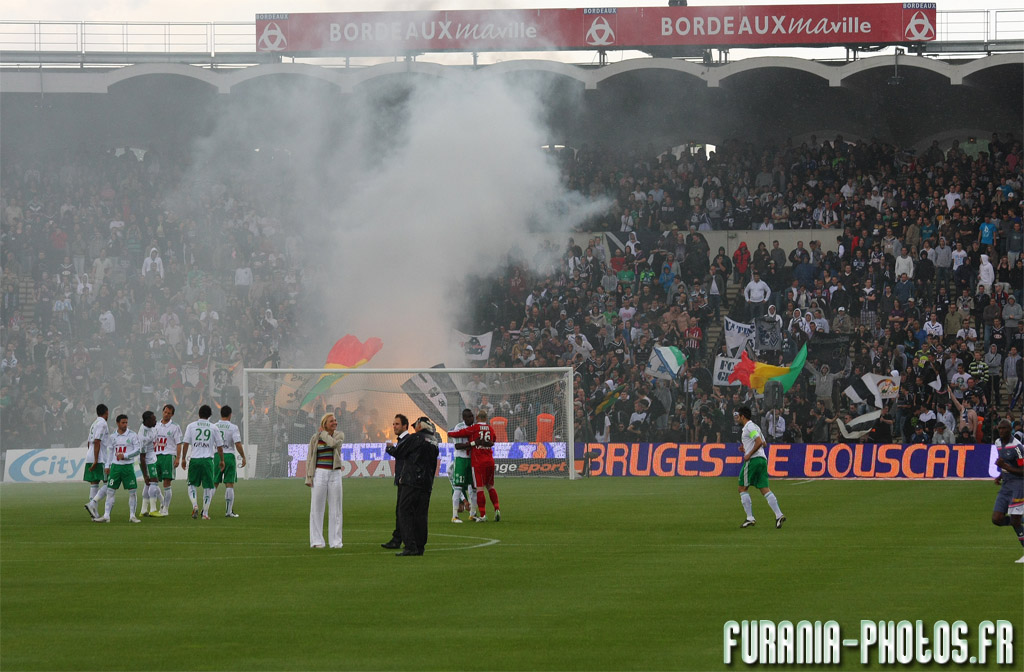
{"x": 323, "y": 475}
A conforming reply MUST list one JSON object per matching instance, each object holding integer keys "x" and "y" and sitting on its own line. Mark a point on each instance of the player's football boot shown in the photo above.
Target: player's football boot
{"x": 133, "y": 519}
{"x": 497, "y": 516}
{"x": 195, "y": 512}
{"x": 748, "y": 523}
{"x": 231, "y": 515}
{"x": 93, "y": 511}
{"x": 456, "y": 519}
{"x": 779, "y": 521}
{"x": 101, "y": 519}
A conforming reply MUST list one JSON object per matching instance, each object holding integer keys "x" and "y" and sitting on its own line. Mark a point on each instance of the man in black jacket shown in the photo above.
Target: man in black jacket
{"x": 401, "y": 427}
{"x": 419, "y": 455}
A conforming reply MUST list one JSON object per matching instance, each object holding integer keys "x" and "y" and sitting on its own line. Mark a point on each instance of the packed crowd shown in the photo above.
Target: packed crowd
{"x": 121, "y": 282}
{"x": 926, "y": 278}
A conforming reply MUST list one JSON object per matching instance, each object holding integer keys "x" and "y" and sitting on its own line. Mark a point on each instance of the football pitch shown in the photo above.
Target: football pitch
{"x": 598, "y": 574}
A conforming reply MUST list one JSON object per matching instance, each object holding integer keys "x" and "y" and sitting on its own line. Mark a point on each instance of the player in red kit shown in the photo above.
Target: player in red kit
{"x": 481, "y": 459}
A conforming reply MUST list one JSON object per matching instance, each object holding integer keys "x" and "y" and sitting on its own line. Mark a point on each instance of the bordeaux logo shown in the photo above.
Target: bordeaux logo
{"x": 272, "y": 39}
{"x": 600, "y": 33}
{"x": 919, "y": 28}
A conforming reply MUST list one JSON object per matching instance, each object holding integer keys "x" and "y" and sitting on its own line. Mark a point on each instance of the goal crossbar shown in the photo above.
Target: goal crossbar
{"x": 566, "y": 374}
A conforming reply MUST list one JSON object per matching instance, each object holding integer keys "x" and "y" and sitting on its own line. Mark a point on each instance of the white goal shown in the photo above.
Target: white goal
{"x": 530, "y": 410}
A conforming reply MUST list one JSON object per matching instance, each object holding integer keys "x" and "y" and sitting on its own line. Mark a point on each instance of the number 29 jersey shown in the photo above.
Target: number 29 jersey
{"x": 203, "y": 437}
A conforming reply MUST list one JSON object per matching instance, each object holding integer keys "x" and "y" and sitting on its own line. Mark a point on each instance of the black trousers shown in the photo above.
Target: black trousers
{"x": 413, "y": 504}
{"x": 396, "y": 536}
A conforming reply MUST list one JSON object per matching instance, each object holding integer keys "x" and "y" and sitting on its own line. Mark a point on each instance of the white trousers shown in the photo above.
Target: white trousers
{"x": 326, "y": 492}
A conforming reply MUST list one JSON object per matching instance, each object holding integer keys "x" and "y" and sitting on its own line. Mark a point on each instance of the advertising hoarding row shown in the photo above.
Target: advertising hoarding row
{"x": 370, "y": 459}
{"x": 65, "y": 465}
{"x": 798, "y": 460}
{"x": 835, "y": 460}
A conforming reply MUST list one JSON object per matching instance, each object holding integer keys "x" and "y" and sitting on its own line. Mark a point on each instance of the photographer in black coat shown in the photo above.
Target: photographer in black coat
{"x": 401, "y": 427}
{"x": 419, "y": 463}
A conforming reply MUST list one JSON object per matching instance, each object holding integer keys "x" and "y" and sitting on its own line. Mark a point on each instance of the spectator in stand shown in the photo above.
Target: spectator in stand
{"x": 757, "y": 293}
{"x": 1012, "y": 313}
{"x": 741, "y": 263}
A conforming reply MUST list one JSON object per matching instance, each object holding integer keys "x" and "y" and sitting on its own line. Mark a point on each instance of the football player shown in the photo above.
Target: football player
{"x": 1009, "y": 506}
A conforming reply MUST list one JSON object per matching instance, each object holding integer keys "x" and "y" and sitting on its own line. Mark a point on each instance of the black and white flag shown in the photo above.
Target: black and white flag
{"x": 767, "y": 334}
{"x": 436, "y": 395}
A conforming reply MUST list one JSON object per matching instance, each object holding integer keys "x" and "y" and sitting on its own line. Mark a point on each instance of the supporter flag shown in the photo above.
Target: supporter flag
{"x": 874, "y": 388}
{"x": 292, "y": 390}
{"x": 858, "y": 426}
{"x": 888, "y": 386}
{"x": 723, "y": 369}
{"x": 665, "y": 363}
{"x": 767, "y": 334}
{"x": 861, "y": 393}
{"x": 223, "y": 374}
{"x": 737, "y": 334}
{"x": 437, "y": 396}
{"x": 348, "y": 353}
{"x": 756, "y": 374}
{"x": 610, "y": 399}
{"x": 831, "y": 349}
{"x": 191, "y": 374}
{"x": 476, "y": 347}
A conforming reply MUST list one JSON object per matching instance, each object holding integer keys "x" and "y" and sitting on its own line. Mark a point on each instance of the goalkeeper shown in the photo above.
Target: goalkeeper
{"x": 461, "y": 473}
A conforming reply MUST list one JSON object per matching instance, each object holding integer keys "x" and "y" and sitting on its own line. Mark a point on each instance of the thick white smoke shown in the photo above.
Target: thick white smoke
{"x": 463, "y": 187}
{"x": 400, "y": 201}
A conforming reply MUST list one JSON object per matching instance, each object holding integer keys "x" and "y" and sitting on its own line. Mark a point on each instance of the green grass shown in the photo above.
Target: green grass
{"x": 600, "y": 574}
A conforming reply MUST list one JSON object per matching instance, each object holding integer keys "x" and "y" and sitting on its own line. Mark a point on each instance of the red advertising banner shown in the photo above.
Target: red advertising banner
{"x": 396, "y": 33}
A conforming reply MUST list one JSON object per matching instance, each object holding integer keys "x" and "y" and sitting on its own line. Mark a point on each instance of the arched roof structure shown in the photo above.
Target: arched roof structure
{"x": 662, "y": 99}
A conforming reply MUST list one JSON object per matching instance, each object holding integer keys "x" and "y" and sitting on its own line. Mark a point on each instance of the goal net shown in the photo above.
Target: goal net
{"x": 530, "y": 411}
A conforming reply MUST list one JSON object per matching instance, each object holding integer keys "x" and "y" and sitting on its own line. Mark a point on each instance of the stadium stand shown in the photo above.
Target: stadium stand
{"x": 110, "y": 294}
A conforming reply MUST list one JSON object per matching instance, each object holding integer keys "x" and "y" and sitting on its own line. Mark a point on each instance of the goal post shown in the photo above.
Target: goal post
{"x": 530, "y": 409}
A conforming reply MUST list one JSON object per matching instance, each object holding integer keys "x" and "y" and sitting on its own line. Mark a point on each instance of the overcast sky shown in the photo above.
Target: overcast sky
{"x": 245, "y": 10}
